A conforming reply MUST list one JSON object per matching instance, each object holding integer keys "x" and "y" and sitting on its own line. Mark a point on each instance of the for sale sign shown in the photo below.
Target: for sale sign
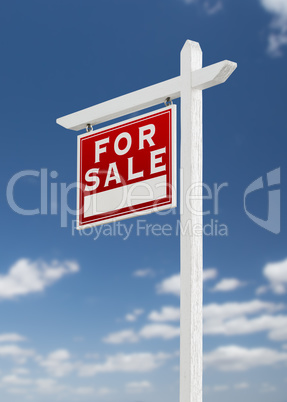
{"x": 127, "y": 169}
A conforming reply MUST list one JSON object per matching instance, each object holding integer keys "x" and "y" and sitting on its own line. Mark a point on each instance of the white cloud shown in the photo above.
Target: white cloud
{"x": 125, "y": 336}
{"x": 129, "y": 363}
{"x": 26, "y": 277}
{"x": 266, "y": 387}
{"x": 144, "y": 273}
{"x": 276, "y": 274}
{"x": 224, "y": 311}
{"x": 242, "y": 385}
{"x": 84, "y": 391}
{"x": 21, "y": 371}
{"x": 15, "y": 380}
{"x": 210, "y": 6}
{"x": 278, "y": 27}
{"x": 104, "y": 391}
{"x": 47, "y": 385}
{"x": 261, "y": 290}
{"x": 227, "y": 285}
{"x": 149, "y": 331}
{"x": 171, "y": 285}
{"x": 51, "y": 386}
{"x": 209, "y": 274}
{"x": 93, "y": 356}
{"x": 275, "y": 6}
{"x": 138, "y": 387}
{"x": 12, "y": 337}
{"x": 232, "y": 319}
{"x": 167, "y": 313}
{"x": 162, "y": 331}
{"x": 278, "y": 328}
{"x": 17, "y": 391}
{"x": 218, "y": 319}
{"x": 131, "y": 317}
{"x": 237, "y": 358}
{"x": 58, "y": 363}
{"x": 220, "y": 388}
{"x": 213, "y": 8}
{"x": 275, "y": 325}
{"x": 277, "y": 39}
{"x": 16, "y": 353}
{"x": 218, "y": 312}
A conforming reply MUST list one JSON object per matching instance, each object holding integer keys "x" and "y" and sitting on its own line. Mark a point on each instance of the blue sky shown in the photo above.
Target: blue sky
{"x": 93, "y": 316}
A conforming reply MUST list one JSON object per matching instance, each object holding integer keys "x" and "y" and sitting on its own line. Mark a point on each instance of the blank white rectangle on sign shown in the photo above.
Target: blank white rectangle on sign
{"x": 125, "y": 196}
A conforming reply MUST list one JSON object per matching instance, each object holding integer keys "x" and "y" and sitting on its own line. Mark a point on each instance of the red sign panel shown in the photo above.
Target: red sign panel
{"x": 127, "y": 169}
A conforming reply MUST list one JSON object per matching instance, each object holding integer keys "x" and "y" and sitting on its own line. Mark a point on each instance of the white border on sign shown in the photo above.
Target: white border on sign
{"x": 149, "y": 210}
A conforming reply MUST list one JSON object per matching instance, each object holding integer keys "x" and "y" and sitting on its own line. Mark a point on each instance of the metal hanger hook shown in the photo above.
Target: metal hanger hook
{"x": 168, "y": 101}
{"x": 89, "y": 128}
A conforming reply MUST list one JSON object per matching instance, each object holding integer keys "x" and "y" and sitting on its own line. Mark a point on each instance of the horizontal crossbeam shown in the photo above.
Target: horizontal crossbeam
{"x": 147, "y": 97}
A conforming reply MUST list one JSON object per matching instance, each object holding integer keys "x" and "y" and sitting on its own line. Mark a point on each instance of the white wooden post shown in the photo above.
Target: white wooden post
{"x": 191, "y": 264}
{"x": 189, "y": 85}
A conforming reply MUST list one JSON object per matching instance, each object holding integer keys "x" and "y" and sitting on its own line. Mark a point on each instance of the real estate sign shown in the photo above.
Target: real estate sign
{"x": 127, "y": 169}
